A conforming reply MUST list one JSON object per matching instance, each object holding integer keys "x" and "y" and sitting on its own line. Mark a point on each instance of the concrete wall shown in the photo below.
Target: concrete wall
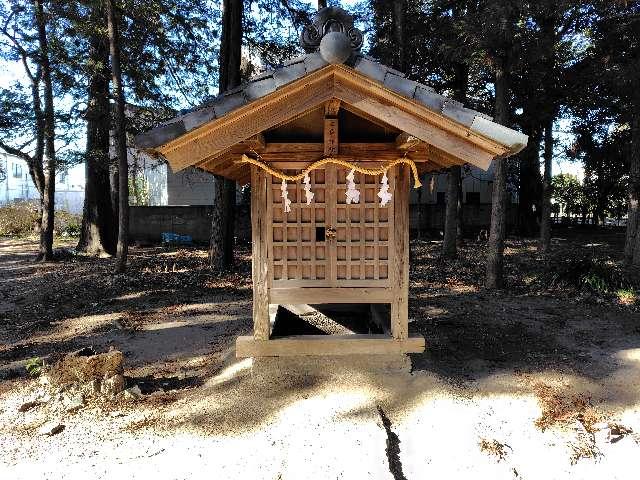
{"x": 147, "y": 223}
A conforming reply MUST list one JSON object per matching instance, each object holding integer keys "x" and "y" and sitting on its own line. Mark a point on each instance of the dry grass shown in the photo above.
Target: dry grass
{"x": 564, "y": 408}
{"x": 494, "y": 448}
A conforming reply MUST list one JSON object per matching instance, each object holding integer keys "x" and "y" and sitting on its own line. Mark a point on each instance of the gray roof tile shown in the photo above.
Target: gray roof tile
{"x": 198, "y": 117}
{"x": 259, "y": 88}
{"x": 313, "y": 62}
{"x": 288, "y": 74}
{"x": 160, "y": 135}
{"x": 456, "y": 111}
{"x": 267, "y": 82}
{"x": 229, "y": 103}
{"x": 428, "y": 97}
{"x": 371, "y": 69}
{"x": 400, "y": 84}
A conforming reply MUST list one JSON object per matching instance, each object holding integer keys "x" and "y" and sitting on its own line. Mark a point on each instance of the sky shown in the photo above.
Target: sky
{"x": 10, "y": 72}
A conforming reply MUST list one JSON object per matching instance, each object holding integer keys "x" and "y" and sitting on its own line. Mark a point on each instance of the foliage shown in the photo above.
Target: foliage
{"x": 568, "y": 193}
{"x": 18, "y": 219}
{"x": 33, "y": 366}
{"x": 67, "y": 224}
{"x": 587, "y": 272}
{"x": 138, "y": 190}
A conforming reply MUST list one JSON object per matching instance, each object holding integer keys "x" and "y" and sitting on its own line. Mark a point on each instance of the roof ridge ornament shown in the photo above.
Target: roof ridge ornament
{"x": 333, "y": 34}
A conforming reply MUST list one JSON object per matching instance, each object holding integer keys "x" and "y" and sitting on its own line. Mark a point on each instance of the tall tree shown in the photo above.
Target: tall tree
{"x": 120, "y": 138}
{"x": 222, "y": 218}
{"x": 98, "y": 234}
{"x": 49, "y": 191}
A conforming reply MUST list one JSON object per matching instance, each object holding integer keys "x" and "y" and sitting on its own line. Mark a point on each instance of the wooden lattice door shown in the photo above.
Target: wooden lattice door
{"x": 329, "y": 243}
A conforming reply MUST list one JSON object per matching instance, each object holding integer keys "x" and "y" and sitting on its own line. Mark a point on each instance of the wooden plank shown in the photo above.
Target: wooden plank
{"x": 327, "y": 345}
{"x": 259, "y": 261}
{"x": 314, "y": 296}
{"x": 399, "y": 265}
{"x": 330, "y": 137}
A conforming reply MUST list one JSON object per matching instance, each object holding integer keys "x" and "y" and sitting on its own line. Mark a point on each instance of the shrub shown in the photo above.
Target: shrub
{"x": 18, "y": 219}
{"x": 67, "y": 224}
{"x": 586, "y": 272}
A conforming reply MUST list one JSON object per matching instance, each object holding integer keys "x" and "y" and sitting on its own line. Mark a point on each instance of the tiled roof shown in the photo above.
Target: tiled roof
{"x": 298, "y": 67}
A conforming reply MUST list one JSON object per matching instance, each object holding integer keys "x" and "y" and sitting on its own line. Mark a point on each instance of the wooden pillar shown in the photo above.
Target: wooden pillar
{"x": 259, "y": 259}
{"x": 400, "y": 258}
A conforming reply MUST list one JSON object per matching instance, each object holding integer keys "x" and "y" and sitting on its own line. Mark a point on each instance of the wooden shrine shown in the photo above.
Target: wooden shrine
{"x": 331, "y": 143}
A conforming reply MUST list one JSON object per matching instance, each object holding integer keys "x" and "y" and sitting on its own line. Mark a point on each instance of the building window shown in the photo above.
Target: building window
{"x": 17, "y": 170}
{"x": 440, "y": 198}
{"x": 473, "y": 198}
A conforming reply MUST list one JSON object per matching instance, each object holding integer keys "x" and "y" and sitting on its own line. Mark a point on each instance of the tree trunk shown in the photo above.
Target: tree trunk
{"x": 495, "y": 249}
{"x": 224, "y": 202}
{"x": 530, "y": 188}
{"x": 48, "y": 197}
{"x": 453, "y": 227}
{"x": 99, "y": 232}
{"x": 545, "y": 221}
{"x": 216, "y": 246}
{"x": 322, "y": 4}
{"x": 632, "y": 241}
{"x": 121, "y": 139}
{"x": 399, "y": 8}
{"x": 449, "y": 245}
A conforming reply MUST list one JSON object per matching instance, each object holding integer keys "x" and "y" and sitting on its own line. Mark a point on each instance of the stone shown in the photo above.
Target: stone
{"x": 74, "y": 404}
{"x": 84, "y": 366}
{"x": 92, "y": 388}
{"x": 133, "y": 393}
{"x": 113, "y": 385}
{"x": 335, "y": 47}
{"x": 29, "y": 405}
{"x": 50, "y": 429}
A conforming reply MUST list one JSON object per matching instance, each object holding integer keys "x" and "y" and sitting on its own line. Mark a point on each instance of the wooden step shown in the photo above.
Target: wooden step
{"x": 247, "y": 346}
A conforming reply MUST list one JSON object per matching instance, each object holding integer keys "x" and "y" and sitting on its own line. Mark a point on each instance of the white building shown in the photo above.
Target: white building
{"x": 17, "y": 186}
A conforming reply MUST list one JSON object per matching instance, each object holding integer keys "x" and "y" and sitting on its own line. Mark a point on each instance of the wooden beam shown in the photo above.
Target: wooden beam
{"x": 257, "y": 142}
{"x": 327, "y": 345}
{"x": 404, "y": 141}
{"x": 313, "y": 296}
{"x": 331, "y": 108}
{"x": 249, "y": 120}
{"x": 462, "y": 149}
{"x": 399, "y": 269}
{"x": 259, "y": 261}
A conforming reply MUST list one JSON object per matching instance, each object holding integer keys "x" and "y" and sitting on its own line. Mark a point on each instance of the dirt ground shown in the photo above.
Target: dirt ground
{"x": 539, "y": 380}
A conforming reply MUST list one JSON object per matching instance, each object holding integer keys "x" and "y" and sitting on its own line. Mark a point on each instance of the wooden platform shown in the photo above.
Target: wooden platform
{"x": 248, "y": 346}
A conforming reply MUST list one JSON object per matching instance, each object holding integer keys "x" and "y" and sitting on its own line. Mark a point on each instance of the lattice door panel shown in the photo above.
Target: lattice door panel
{"x": 329, "y": 243}
{"x": 363, "y": 232}
{"x": 299, "y": 250}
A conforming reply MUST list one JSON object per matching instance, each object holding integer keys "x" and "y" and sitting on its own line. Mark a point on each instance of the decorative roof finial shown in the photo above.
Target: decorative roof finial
{"x": 332, "y": 34}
